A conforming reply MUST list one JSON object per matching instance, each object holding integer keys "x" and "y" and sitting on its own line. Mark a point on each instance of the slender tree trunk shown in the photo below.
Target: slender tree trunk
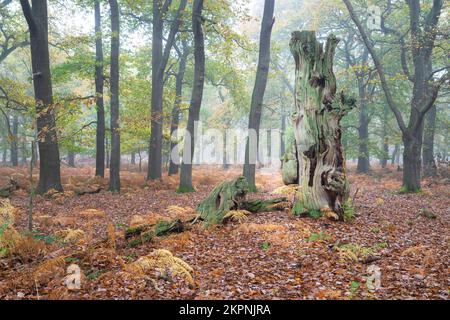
{"x": 196, "y": 98}
{"x": 4, "y": 154}
{"x": 363, "y": 165}
{"x": 133, "y": 158}
{"x": 283, "y": 131}
{"x": 114, "y": 172}
{"x": 173, "y": 167}
{"x": 23, "y": 148}
{"x": 108, "y": 153}
{"x": 318, "y": 151}
{"x": 71, "y": 159}
{"x": 14, "y": 141}
{"x": 49, "y": 169}
{"x": 100, "y": 134}
{"x": 155, "y": 148}
{"x": 251, "y": 148}
{"x": 395, "y": 153}
{"x": 159, "y": 62}
{"x": 429, "y": 164}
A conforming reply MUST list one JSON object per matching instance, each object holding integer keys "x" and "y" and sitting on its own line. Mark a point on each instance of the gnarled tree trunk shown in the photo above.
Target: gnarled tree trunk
{"x": 318, "y": 111}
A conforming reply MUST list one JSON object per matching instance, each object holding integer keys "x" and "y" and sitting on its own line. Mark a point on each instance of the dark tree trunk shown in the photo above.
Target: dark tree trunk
{"x": 133, "y": 158}
{"x": 108, "y": 154}
{"x": 49, "y": 169}
{"x": 412, "y": 161}
{"x": 114, "y": 172}
{"x": 14, "y": 141}
{"x": 155, "y": 148}
{"x": 159, "y": 62}
{"x": 251, "y": 148}
{"x": 173, "y": 167}
{"x": 196, "y": 98}
{"x": 71, "y": 159}
{"x": 429, "y": 164}
{"x": 100, "y": 134}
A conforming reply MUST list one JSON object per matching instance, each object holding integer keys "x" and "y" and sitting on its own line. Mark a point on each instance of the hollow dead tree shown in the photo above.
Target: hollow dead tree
{"x": 316, "y": 162}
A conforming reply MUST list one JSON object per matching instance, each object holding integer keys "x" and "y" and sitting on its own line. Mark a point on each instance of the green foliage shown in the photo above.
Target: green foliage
{"x": 319, "y": 237}
{"x": 349, "y": 212}
{"x": 265, "y": 245}
{"x": 354, "y": 287}
{"x": 315, "y": 214}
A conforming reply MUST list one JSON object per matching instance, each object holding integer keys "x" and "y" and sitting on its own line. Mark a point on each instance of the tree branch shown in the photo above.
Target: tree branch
{"x": 378, "y": 66}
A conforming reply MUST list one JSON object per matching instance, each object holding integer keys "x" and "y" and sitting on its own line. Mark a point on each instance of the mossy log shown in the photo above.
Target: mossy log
{"x": 8, "y": 189}
{"x": 230, "y": 195}
{"x": 318, "y": 152}
{"x": 145, "y": 233}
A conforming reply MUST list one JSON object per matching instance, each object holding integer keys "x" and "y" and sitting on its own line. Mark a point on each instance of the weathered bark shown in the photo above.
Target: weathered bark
{"x": 49, "y": 169}
{"x": 251, "y": 148}
{"x": 114, "y": 172}
{"x": 196, "y": 98}
{"x": 429, "y": 163}
{"x": 173, "y": 167}
{"x": 99, "y": 84}
{"x": 14, "y": 140}
{"x": 159, "y": 63}
{"x": 321, "y": 164}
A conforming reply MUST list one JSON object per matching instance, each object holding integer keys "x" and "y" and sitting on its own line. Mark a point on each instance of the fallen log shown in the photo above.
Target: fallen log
{"x": 8, "y": 189}
{"x": 231, "y": 195}
{"x": 145, "y": 233}
{"x": 226, "y": 197}
{"x": 80, "y": 191}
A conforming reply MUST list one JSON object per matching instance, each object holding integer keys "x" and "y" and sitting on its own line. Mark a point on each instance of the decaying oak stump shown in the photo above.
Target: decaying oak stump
{"x": 318, "y": 111}
{"x": 231, "y": 195}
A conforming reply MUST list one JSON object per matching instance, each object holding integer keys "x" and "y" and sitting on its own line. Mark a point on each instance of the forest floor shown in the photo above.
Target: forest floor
{"x": 268, "y": 256}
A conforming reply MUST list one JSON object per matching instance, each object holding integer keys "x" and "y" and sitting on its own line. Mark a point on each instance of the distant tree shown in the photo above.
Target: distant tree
{"x": 196, "y": 98}
{"x": 258, "y": 92}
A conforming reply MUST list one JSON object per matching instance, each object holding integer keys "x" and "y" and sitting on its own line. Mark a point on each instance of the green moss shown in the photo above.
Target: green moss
{"x": 298, "y": 209}
{"x": 316, "y": 214}
{"x": 185, "y": 189}
{"x": 348, "y": 210}
{"x": 405, "y": 189}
